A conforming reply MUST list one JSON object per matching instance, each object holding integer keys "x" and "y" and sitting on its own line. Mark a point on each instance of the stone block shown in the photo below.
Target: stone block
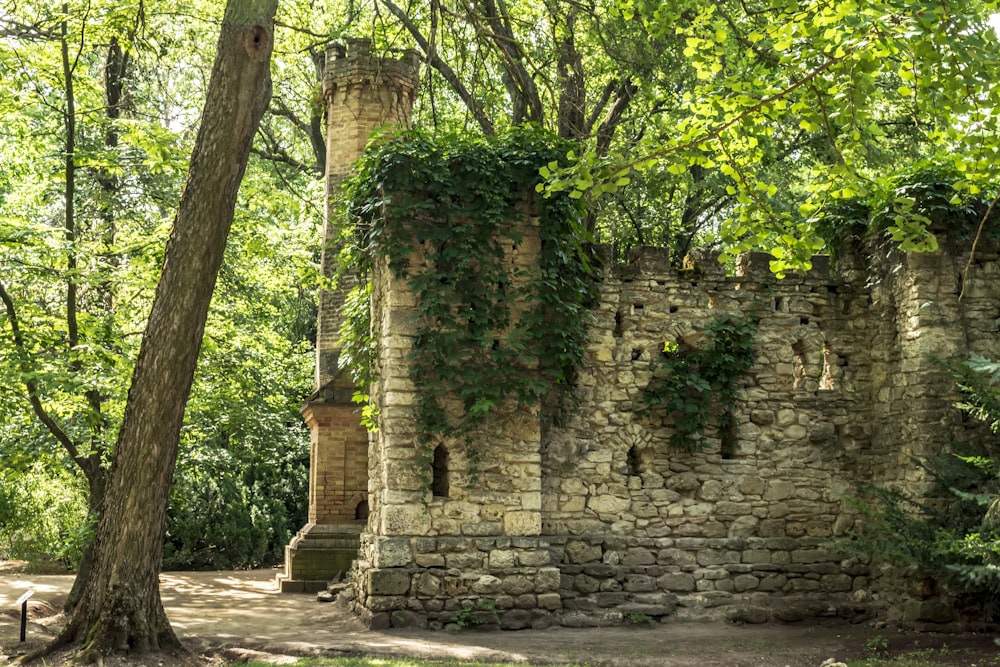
{"x": 427, "y": 585}
{"x": 586, "y": 584}
{"x": 391, "y": 552}
{"x": 515, "y": 619}
{"x": 486, "y": 585}
{"x": 533, "y": 558}
{"x": 405, "y": 520}
{"x": 404, "y": 618}
{"x": 638, "y": 556}
{"x": 501, "y": 559}
{"x": 636, "y": 583}
{"x": 517, "y": 584}
{"x": 522, "y": 523}
{"x": 679, "y": 582}
{"x": 583, "y": 552}
{"x": 550, "y": 601}
{"x": 547, "y": 579}
{"x": 388, "y": 582}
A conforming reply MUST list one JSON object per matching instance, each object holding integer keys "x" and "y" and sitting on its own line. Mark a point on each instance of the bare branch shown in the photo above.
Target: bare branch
{"x": 443, "y": 68}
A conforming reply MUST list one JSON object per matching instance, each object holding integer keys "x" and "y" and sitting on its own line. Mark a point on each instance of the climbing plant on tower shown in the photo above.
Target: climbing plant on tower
{"x": 453, "y": 200}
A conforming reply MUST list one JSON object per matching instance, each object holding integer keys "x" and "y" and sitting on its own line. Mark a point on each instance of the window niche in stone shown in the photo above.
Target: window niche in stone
{"x": 826, "y": 378}
{"x": 361, "y": 510}
{"x": 814, "y": 362}
{"x": 440, "y": 484}
{"x": 728, "y": 437}
{"x": 633, "y": 461}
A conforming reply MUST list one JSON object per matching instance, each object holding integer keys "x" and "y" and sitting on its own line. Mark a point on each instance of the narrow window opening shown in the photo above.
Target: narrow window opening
{"x": 637, "y": 306}
{"x": 636, "y": 355}
{"x": 803, "y": 320}
{"x": 779, "y": 303}
{"x": 618, "y": 324}
{"x": 634, "y": 464}
{"x": 799, "y": 372}
{"x": 673, "y": 309}
{"x": 728, "y": 437}
{"x": 826, "y": 380}
{"x": 439, "y": 481}
{"x": 361, "y": 511}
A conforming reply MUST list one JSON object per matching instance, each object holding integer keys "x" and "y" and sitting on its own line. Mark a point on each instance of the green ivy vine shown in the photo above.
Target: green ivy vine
{"x": 453, "y": 199}
{"x": 690, "y": 386}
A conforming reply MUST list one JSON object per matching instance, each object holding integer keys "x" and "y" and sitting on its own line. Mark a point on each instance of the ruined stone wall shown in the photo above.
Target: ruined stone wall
{"x": 596, "y": 519}
{"x": 427, "y": 553}
{"x": 650, "y": 527}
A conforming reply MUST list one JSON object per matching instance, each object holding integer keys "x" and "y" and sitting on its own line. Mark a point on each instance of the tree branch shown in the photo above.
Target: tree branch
{"x": 435, "y": 61}
{"x": 30, "y": 384}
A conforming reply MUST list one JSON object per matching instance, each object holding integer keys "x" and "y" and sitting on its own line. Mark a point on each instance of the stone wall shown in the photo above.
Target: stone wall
{"x": 842, "y": 393}
{"x": 594, "y": 518}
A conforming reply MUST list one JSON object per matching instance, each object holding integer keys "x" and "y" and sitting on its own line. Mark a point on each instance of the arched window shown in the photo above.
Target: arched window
{"x": 439, "y": 479}
{"x": 361, "y": 510}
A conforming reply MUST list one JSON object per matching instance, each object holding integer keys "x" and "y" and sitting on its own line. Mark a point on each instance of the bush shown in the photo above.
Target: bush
{"x": 957, "y": 541}
{"x": 43, "y": 515}
{"x": 232, "y": 511}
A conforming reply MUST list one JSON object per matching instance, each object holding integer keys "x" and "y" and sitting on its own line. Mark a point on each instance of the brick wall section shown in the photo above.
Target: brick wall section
{"x": 338, "y": 457}
{"x": 363, "y": 92}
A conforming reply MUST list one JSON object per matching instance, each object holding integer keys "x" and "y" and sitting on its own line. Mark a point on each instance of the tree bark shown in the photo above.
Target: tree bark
{"x": 121, "y": 611}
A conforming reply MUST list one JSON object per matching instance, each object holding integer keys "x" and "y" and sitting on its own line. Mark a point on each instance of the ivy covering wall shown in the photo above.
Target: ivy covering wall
{"x": 454, "y": 199}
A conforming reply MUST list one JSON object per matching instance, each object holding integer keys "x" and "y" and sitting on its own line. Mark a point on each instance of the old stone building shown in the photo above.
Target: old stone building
{"x": 598, "y": 519}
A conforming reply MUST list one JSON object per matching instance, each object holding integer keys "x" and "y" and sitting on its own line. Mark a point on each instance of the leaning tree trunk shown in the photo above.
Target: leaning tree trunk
{"x": 120, "y": 610}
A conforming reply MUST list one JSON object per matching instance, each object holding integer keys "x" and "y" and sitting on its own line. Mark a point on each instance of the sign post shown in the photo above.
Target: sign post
{"x": 23, "y": 603}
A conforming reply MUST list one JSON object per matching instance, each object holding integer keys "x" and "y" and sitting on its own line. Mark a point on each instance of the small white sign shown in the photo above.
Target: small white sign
{"x": 24, "y": 598}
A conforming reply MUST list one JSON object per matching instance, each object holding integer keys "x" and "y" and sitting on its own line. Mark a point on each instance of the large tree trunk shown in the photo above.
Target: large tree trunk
{"x": 120, "y": 610}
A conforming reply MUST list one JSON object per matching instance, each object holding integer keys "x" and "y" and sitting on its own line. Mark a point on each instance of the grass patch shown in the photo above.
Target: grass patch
{"x": 929, "y": 657}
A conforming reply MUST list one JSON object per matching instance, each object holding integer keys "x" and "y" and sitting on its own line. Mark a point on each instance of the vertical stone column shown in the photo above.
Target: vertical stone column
{"x": 362, "y": 92}
{"x": 427, "y": 552}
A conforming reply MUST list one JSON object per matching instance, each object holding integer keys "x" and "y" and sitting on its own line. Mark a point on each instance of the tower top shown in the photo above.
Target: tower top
{"x": 354, "y": 62}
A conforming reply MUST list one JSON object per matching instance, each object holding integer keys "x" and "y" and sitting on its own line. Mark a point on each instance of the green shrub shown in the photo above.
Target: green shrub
{"x": 43, "y": 515}
{"x": 955, "y": 539}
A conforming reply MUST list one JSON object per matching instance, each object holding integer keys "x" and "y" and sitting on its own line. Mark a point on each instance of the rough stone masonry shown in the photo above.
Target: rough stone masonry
{"x": 598, "y": 520}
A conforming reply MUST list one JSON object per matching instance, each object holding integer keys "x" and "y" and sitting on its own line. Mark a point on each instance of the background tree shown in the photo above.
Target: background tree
{"x": 248, "y": 433}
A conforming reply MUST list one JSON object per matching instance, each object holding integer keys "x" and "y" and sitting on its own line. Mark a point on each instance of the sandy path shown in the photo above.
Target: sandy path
{"x": 215, "y": 611}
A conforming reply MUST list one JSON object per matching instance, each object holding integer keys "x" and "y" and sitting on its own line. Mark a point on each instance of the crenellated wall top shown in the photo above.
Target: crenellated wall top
{"x": 354, "y": 62}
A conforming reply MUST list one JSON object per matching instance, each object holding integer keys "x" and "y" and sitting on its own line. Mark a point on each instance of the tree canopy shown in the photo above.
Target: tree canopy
{"x": 744, "y": 123}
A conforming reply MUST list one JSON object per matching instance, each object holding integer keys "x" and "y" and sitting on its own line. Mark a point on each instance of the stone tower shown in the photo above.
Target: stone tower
{"x": 362, "y": 92}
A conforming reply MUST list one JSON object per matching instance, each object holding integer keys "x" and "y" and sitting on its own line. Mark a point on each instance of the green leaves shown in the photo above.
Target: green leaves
{"x": 455, "y": 201}
{"x": 688, "y": 385}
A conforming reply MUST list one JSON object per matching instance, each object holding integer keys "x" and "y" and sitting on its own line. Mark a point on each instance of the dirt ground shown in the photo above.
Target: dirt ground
{"x": 241, "y": 616}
